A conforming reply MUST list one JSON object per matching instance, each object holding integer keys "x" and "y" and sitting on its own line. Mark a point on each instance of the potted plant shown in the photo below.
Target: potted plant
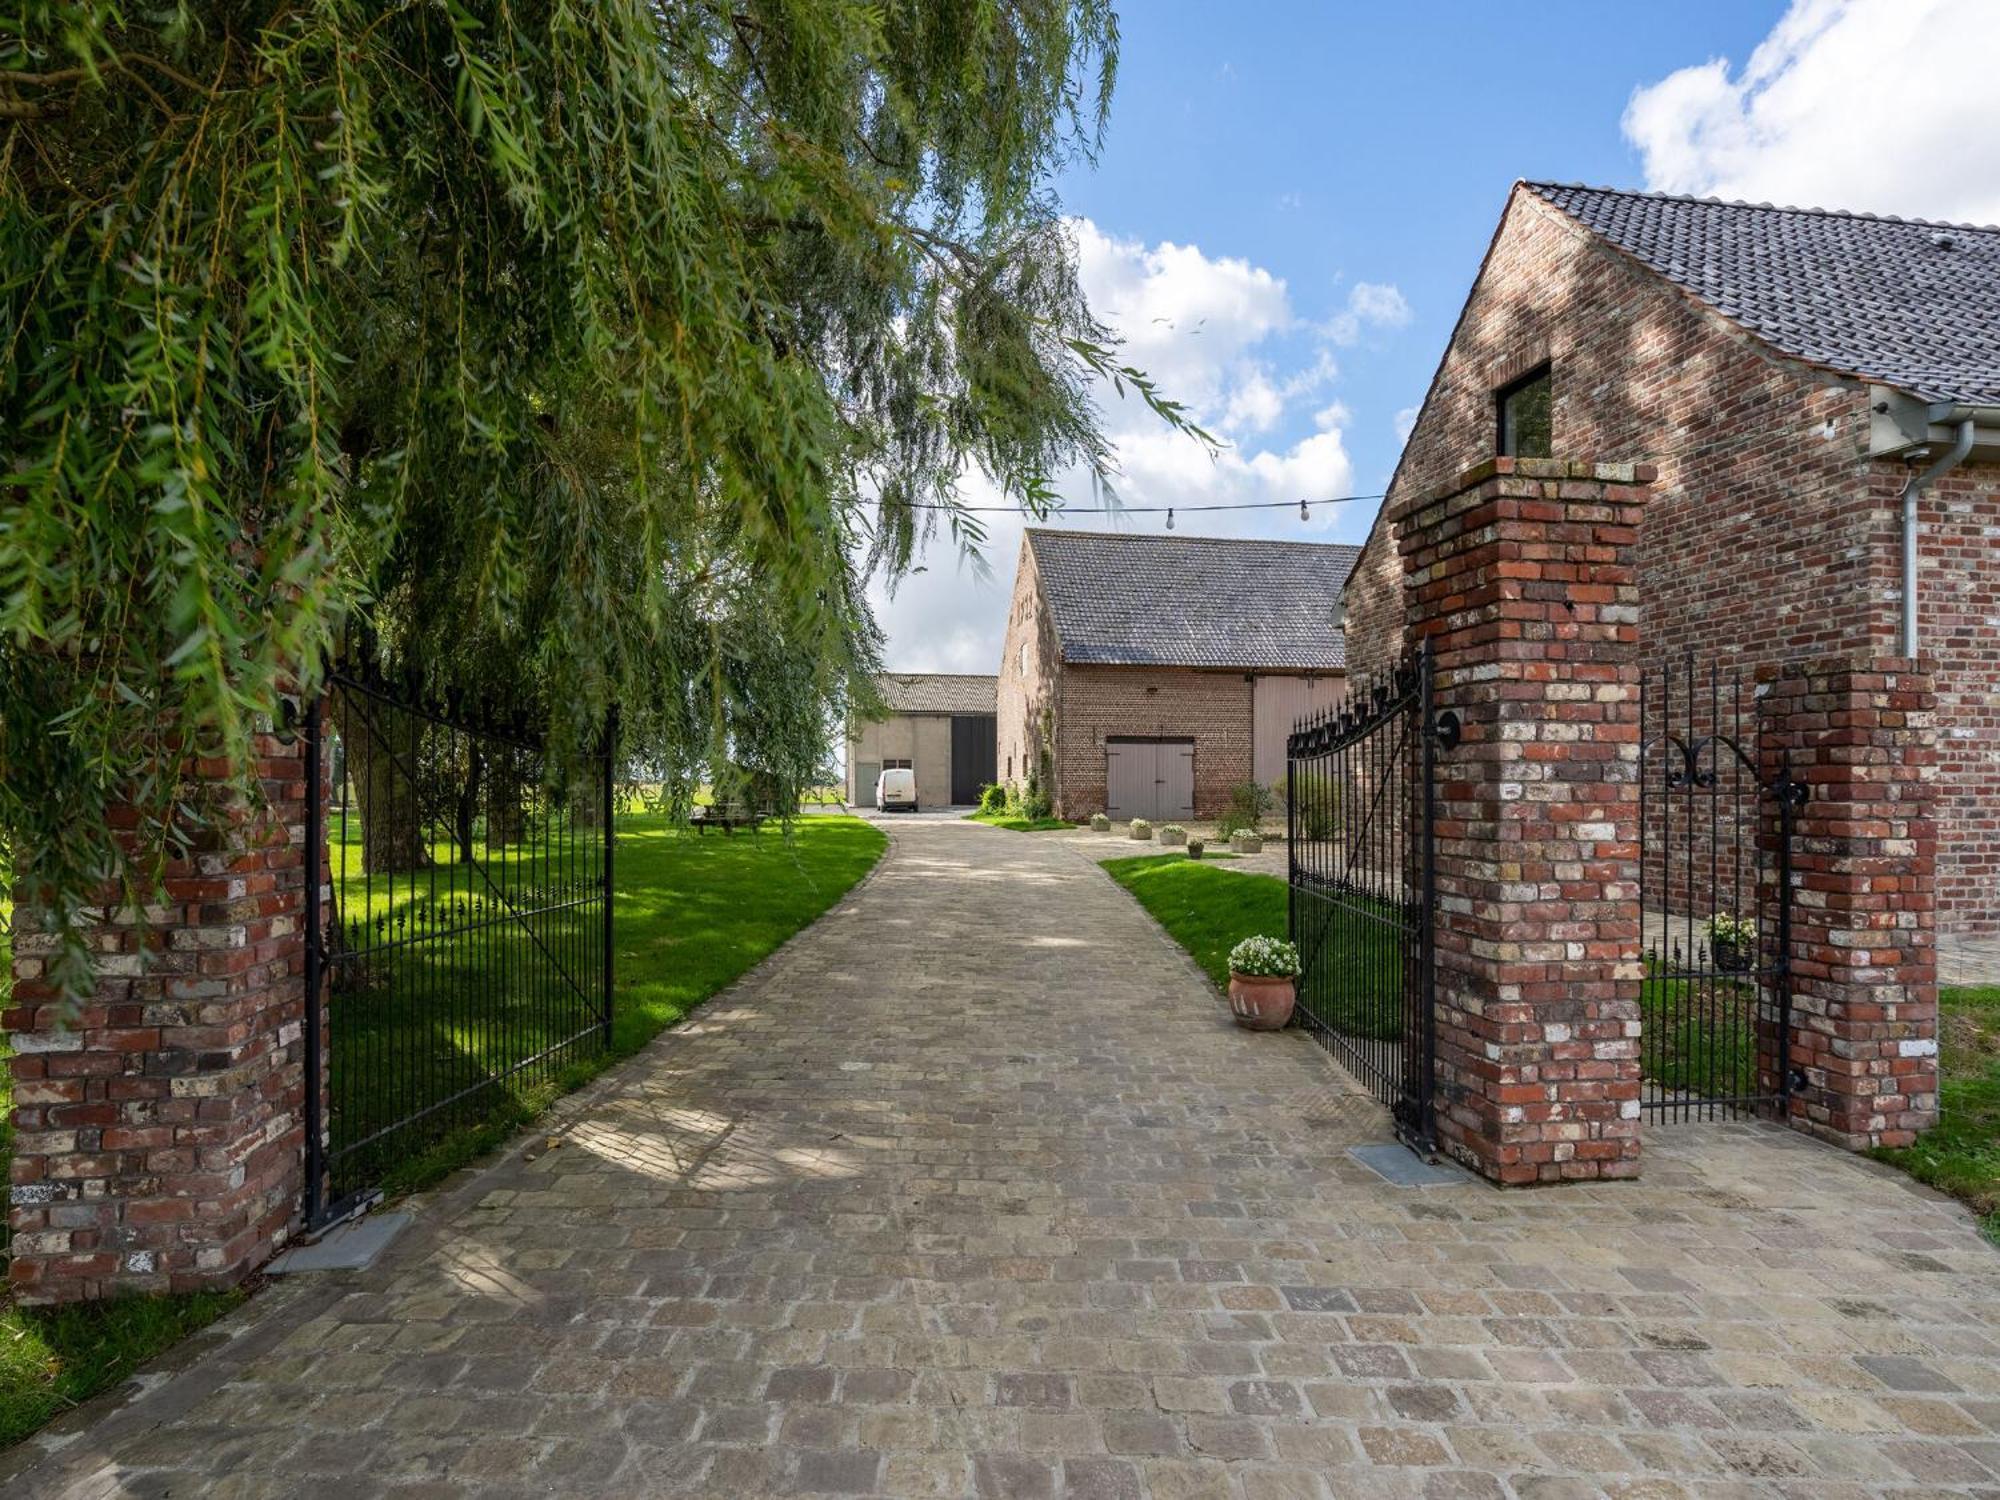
{"x": 1099, "y": 823}
{"x": 1194, "y": 848}
{"x": 1141, "y": 829}
{"x": 1732, "y": 942}
{"x": 1247, "y": 841}
{"x": 1173, "y": 835}
{"x": 1263, "y": 982}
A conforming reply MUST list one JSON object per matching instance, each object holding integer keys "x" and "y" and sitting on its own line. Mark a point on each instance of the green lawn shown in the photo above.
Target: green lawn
{"x": 1016, "y": 822}
{"x": 1961, "y": 1155}
{"x": 1207, "y": 911}
{"x": 694, "y": 913}
{"x": 1699, "y": 1035}
{"x": 1358, "y": 988}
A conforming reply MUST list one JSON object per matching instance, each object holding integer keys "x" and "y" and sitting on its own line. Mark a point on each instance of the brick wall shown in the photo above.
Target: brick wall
{"x": 159, "y": 1138}
{"x": 1211, "y": 708}
{"x": 1770, "y": 534}
{"x": 1523, "y": 577}
{"x": 1029, "y": 663}
{"x": 1373, "y": 596}
{"x": 1958, "y": 596}
{"x": 1864, "y": 976}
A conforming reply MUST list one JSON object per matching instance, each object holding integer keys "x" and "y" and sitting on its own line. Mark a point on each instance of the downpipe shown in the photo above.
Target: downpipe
{"x": 1951, "y": 459}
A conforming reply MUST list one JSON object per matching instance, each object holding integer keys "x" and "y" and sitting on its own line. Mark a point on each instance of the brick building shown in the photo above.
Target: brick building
{"x": 1788, "y": 373}
{"x": 1145, "y": 676}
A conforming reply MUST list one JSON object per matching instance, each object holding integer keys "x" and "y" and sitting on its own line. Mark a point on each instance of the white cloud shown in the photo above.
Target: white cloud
{"x": 1885, "y": 106}
{"x": 1221, "y": 335}
{"x": 1406, "y": 422}
{"x": 1370, "y": 304}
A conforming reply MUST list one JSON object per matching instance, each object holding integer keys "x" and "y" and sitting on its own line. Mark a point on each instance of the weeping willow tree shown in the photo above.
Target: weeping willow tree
{"x": 595, "y": 350}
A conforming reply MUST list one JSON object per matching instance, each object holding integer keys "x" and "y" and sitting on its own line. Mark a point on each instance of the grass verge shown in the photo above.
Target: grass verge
{"x": 1206, "y": 911}
{"x": 1960, "y": 1155}
{"x": 1016, "y": 822}
{"x": 1357, "y": 989}
{"x": 693, "y": 914}
{"x": 1699, "y": 1036}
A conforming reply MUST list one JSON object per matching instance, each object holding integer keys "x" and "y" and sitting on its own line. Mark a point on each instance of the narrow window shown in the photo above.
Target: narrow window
{"x": 1523, "y": 408}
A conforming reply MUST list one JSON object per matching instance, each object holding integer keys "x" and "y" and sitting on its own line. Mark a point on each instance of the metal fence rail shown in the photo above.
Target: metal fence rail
{"x": 1360, "y": 783}
{"x": 463, "y": 951}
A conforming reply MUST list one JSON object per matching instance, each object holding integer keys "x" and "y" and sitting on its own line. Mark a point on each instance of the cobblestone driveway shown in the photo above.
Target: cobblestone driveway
{"x": 974, "y": 1190}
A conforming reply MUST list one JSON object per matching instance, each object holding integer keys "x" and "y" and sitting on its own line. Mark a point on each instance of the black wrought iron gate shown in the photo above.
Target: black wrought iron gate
{"x": 464, "y": 950}
{"x": 1361, "y": 804}
{"x": 1716, "y": 892}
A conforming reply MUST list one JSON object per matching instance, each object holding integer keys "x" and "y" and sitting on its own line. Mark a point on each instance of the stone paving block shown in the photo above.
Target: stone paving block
{"x": 904, "y": 1216}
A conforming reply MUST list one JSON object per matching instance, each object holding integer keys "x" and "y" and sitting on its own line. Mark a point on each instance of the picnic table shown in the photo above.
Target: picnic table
{"x": 727, "y": 816}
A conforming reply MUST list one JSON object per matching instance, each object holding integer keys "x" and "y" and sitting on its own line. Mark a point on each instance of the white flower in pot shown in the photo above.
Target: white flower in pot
{"x": 1141, "y": 829}
{"x": 1174, "y": 834}
{"x": 1263, "y": 982}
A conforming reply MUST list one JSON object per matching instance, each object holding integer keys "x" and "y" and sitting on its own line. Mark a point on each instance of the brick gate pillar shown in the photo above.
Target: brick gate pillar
{"x": 159, "y": 1131}
{"x": 1521, "y": 575}
{"x": 1861, "y": 736}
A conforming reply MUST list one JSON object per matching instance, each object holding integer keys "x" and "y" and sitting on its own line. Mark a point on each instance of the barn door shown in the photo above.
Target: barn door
{"x": 1128, "y": 779}
{"x": 974, "y": 756}
{"x": 1175, "y": 779}
{"x": 1151, "y": 779}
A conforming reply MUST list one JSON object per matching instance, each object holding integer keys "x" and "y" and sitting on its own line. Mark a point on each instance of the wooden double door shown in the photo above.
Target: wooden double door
{"x": 1149, "y": 778}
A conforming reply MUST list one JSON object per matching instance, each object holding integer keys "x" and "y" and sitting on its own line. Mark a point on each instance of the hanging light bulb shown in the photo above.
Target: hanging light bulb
{"x": 1170, "y": 518}
{"x": 1304, "y": 514}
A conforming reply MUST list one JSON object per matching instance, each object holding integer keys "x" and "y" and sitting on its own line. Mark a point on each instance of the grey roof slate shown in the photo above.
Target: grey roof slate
{"x": 939, "y": 692}
{"x": 1194, "y": 601}
{"x": 1906, "y": 302}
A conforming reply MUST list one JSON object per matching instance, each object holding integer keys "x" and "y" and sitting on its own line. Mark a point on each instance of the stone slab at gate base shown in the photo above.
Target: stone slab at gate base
{"x": 1521, "y": 575}
{"x": 1861, "y": 735}
{"x": 159, "y": 1136}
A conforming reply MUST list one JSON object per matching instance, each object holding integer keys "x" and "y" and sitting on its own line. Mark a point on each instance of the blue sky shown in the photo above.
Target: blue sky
{"x": 1293, "y": 199}
{"x": 1335, "y": 143}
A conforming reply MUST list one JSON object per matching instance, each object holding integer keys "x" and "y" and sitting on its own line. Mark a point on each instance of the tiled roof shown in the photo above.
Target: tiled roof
{"x": 1194, "y": 601}
{"x": 1912, "y": 304}
{"x": 939, "y": 692}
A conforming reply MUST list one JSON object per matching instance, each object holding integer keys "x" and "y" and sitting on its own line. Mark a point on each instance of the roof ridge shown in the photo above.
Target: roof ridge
{"x": 1538, "y": 187}
{"x": 1179, "y": 536}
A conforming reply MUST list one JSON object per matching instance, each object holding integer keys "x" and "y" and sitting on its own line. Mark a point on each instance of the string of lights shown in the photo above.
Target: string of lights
{"x": 1305, "y": 507}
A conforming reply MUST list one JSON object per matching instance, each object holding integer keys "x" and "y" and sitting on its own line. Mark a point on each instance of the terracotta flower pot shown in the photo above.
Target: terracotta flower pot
{"x": 1262, "y": 1002}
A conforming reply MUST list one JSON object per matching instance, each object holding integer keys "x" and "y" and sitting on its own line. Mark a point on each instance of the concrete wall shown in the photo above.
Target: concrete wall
{"x": 924, "y": 740}
{"x": 1277, "y": 703}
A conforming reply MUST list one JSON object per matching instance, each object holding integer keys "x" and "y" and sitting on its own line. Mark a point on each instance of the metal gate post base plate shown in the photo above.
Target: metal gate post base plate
{"x": 1399, "y": 1166}
{"x": 352, "y": 1246}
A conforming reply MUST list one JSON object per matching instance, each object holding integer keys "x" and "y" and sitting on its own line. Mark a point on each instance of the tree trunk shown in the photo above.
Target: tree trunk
{"x": 468, "y": 805}
{"x": 506, "y": 811}
{"x": 392, "y": 814}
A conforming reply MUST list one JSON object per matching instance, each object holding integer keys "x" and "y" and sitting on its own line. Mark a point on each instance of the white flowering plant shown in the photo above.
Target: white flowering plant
{"x": 1174, "y": 831}
{"x": 1099, "y": 823}
{"x": 1141, "y": 829}
{"x": 1264, "y": 957}
{"x": 1737, "y": 932}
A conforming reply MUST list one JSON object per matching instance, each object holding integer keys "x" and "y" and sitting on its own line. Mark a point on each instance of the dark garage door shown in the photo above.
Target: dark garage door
{"x": 975, "y": 755}
{"x": 1150, "y": 778}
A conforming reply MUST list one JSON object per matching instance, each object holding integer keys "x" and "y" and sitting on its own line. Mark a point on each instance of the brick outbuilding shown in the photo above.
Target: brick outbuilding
{"x": 1788, "y": 372}
{"x": 1148, "y": 675}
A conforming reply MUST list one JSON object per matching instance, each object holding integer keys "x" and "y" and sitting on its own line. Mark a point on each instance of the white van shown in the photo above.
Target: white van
{"x": 896, "y": 788}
